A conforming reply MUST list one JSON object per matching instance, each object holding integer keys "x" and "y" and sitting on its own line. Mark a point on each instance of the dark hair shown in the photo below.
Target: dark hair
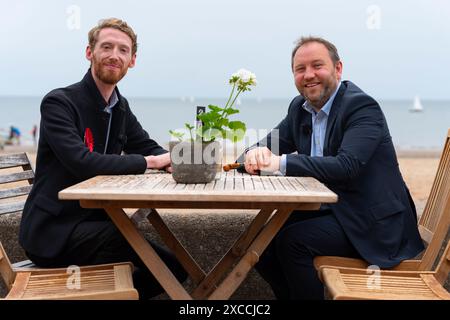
{"x": 115, "y": 24}
{"x": 304, "y": 40}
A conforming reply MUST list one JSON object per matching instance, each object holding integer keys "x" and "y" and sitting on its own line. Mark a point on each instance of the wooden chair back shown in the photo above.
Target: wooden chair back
{"x": 16, "y": 180}
{"x": 14, "y": 183}
{"x": 435, "y": 220}
{"x": 6, "y": 270}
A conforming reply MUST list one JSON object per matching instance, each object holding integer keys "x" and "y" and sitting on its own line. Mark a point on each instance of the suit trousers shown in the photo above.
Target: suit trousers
{"x": 287, "y": 263}
{"x": 99, "y": 242}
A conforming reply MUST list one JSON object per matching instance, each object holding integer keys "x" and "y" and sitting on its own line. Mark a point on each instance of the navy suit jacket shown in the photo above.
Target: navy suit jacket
{"x": 359, "y": 164}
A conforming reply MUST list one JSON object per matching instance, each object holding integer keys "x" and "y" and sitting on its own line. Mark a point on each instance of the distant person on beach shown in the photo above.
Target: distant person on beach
{"x": 34, "y": 134}
{"x": 85, "y": 128}
{"x": 342, "y": 139}
{"x": 2, "y": 141}
{"x": 14, "y": 135}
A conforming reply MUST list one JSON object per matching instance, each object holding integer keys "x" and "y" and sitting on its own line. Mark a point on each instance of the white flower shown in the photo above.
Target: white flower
{"x": 243, "y": 78}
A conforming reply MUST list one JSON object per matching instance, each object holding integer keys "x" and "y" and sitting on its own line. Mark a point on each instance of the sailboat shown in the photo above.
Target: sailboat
{"x": 417, "y": 107}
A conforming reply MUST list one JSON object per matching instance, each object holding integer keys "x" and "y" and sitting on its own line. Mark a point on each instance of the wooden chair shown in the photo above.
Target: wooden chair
{"x": 14, "y": 185}
{"x": 354, "y": 283}
{"x": 411, "y": 279}
{"x": 433, "y": 224}
{"x": 108, "y": 281}
{"x": 16, "y": 180}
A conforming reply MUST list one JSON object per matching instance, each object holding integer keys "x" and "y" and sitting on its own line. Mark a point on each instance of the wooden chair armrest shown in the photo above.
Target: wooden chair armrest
{"x": 334, "y": 261}
{"x": 37, "y": 270}
{"x": 405, "y": 268}
{"x": 383, "y": 272}
{"x": 407, "y": 265}
{"x": 344, "y": 262}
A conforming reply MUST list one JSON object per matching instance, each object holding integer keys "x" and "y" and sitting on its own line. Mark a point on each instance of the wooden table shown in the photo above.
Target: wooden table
{"x": 275, "y": 197}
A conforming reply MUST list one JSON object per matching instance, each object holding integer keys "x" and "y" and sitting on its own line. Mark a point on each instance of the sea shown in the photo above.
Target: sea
{"x": 425, "y": 130}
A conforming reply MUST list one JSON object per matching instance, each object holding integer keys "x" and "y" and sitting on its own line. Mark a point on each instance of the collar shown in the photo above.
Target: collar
{"x": 112, "y": 102}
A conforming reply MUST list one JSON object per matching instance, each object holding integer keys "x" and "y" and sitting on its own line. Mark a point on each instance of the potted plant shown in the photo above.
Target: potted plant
{"x": 197, "y": 158}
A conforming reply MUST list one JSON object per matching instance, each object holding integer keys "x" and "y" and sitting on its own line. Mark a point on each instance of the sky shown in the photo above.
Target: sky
{"x": 189, "y": 48}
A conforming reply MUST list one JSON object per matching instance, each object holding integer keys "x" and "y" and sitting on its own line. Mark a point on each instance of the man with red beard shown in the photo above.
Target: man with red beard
{"x": 337, "y": 134}
{"x": 84, "y": 129}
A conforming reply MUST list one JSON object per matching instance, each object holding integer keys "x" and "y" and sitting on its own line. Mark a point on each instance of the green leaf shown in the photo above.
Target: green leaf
{"x": 178, "y": 135}
{"x": 237, "y": 125}
{"x": 189, "y": 126}
{"x": 215, "y": 108}
{"x": 230, "y": 111}
{"x": 210, "y": 134}
{"x": 211, "y": 116}
{"x": 235, "y": 135}
{"x": 221, "y": 123}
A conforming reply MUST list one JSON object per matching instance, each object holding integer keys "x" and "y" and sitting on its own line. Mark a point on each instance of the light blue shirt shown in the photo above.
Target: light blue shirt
{"x": 319, "y": 122}
{"x": 112, "y": 102}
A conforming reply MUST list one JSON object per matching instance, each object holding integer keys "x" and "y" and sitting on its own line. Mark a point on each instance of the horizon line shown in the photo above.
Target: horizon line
{"x": 187, "y": 98}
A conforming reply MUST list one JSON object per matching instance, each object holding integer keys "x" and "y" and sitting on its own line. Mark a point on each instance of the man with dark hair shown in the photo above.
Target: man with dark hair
{"x": 84, "y": 129}
{"x": 342, "y": 139}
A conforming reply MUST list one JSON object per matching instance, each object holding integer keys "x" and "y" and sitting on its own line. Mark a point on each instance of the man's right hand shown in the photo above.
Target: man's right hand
{"x": 261, "y": 159}
{"x": 159, "y": 162}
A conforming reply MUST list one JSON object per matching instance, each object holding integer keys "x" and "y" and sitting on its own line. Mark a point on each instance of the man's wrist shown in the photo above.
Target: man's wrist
{"x": 283, "y": 162}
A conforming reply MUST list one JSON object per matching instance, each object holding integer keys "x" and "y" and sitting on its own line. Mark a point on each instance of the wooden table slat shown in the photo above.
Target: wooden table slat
{"x": 287, "y": 185}
{"x": 297, "y": 184}
{"x": 248, "y": 182}
{"x": 210, "y": 186}
{"x": 238, "y": 181}
{"x": 171, "y": 185}
{"x": 277, "y": 184}
{"x": 312, "y": 184}
{"x": 190, "y": 186}
{"x": 257, "y": 183}
{"x": 220, "y": 184}
{"x": 266, "y": 183}
{"x": 200, "y": 186}
{"x": 229, "y": 180}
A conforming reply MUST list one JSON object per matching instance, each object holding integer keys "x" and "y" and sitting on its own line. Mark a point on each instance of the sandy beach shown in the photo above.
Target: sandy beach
{"x": 418, "y": 169}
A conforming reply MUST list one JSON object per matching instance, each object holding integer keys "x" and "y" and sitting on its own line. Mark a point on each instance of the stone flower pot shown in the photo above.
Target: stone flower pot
{"x": 195, "y": 162}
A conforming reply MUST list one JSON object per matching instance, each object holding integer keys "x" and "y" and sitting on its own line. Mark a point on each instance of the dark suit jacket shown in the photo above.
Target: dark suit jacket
{"x": 63, "y": 159}
{"x": 374, "y": 208}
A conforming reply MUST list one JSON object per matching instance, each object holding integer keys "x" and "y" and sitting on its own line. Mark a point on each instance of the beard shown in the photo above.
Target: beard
{"x": 321, "y": 99}
{"x": 328, "y": 87}
{"x": 106, "y": 75}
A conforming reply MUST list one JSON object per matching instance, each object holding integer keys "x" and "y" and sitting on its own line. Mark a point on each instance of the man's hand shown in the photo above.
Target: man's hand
{"x": 261, "y": 159}
{"x": 159, "y": 162}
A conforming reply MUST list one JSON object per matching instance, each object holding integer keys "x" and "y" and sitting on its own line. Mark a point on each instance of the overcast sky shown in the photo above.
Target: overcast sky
{"x": 391, "y": 49}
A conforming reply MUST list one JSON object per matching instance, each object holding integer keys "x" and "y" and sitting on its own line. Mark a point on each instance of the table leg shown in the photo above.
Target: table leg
{"x": 148, "y": 255}
{"x": 236, "y": 251}
{"x": 239, "y": 272}
{"x": 189, "y": 264}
